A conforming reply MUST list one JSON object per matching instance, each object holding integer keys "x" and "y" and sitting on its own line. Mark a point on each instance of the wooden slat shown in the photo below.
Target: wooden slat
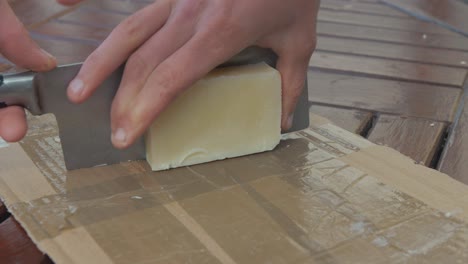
{"x": 400, "y": 70}
{"x": 394, "y": 51}
{"x": 357, "y": 7}
{"x": 73, "y": 31}
{"x": 93, "y": 18}
{"x": 391, "y": 35}
{"x": 417, "y": 138}
{"x": 123, "y": 7}
{"x": 66, "y": 51}
{"x": 350, "y": 119}
{"x": 400, "y": 23}
{"x": 16, "y": 246}
{"x": 32, "y": 14}
{"x": 387, "y": 96}
{"x": 451, "y": 14}
{"x": 454, "y": 160}
{"x": 4, "y": 67}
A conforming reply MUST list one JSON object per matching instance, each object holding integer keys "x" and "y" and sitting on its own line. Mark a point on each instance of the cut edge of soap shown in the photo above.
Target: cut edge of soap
{"x": 172, "y": 166}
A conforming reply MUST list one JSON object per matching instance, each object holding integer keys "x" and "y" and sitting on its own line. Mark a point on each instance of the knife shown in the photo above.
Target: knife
{"x": 84, "y": 129}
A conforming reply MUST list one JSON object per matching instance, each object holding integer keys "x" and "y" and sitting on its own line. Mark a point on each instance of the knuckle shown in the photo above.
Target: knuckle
{"x": 93, "y": 59}
{"x": 167, "y": 85}
{"x": 222, "y": 22}
{"x": 226, "y": 26}
{"x": 130, "y": 27}
{"x": 306, "y": 46}
{"x": 191, "y": 9}
{"x": 137, "y": 63}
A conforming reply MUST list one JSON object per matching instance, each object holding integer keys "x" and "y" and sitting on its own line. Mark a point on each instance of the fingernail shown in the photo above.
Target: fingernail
{"x": 47, "y": 53}
{"x": 120, "y": 135}
{"x": 290, "y": 120}
{"x": 51, "y": 60}
{"x": 76, "y": 87}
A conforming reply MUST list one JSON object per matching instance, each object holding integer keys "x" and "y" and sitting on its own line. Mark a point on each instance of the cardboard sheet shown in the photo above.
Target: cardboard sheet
{"x": 323, "y": 195}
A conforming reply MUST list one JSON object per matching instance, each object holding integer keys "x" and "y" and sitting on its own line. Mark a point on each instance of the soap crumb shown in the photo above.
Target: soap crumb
{"x": 72, "y": 209}
{"x": 57, "y": 139}
{"x": 358, "y": 227}
{"x": 380, "y": 241}
{"x": 136, "y": 197}
{"x": 3, "y": 144}
{"x": 424, "y": 36}
{"x": 432, "y": 124}
{"x": 463, "y": 62}
{"x": 453, "y": 213}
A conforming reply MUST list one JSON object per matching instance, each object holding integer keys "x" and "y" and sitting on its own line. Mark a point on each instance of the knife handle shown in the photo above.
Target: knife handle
{"x": 19, "y": 89}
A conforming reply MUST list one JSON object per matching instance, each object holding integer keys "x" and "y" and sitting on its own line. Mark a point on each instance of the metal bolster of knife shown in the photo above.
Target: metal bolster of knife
{"x": 19, "y": 89}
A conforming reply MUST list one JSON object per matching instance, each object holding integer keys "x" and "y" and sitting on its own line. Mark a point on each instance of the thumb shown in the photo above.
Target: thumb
{"x": 293, "y": 68}
{"x": 17, "y": 46}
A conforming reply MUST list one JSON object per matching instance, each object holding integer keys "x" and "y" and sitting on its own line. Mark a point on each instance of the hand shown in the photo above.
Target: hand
{"x": 170, "y": 44}
{"x": 17, "y": 46}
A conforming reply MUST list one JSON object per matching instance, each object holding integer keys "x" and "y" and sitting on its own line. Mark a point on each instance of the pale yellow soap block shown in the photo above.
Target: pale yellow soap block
{"x": 231, "y": 112}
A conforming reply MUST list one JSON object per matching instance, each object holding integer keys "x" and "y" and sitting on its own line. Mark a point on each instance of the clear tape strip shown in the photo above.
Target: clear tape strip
{"x": 3, "y": 144}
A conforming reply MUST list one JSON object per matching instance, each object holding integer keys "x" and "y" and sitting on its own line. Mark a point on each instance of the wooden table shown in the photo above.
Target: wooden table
{"x": 377, "y": 72}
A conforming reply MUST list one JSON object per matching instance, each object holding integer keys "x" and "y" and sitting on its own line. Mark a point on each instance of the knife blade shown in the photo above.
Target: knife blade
{"x": 84, "y": 129}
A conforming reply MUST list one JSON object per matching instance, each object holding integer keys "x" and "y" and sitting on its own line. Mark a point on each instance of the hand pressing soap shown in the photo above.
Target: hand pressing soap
{"x": 233, "y": 111}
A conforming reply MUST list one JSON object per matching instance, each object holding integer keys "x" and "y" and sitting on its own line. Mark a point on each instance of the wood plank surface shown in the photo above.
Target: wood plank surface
{"x": 350, "y": 119}
{"x": 451, "y": 14}
{"x": 15, "y": 245}
{"x": 73, "y": 32}
{"x": 123, "y": 7}
{"x": 418, "y": 139}
{"x": 392, "y": 35}
{"x": 400, "y": 70}
{"x": 386, "y": 96}
{"x": 359, "y": 7}
{"x": 452, "y": 58}
{"x": 93, "y": 18}
{"x": 454, "y": 160}
{"x": 400, "y": 23}
{"x": 65, "y": 51}
{"x": 32, "y": 14}
{"x": 4, "y": 67}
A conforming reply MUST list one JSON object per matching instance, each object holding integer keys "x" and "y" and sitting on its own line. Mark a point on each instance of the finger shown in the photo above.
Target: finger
{"x": 69, "y": 2}
{"x": 188, "y": 64}
{"x": 293, "y": 71}
{"x": 17, "y": 46}
{"x": 117, "y": 47}
{"x": 174, "y": 34}
{"x": 13, "y": 125}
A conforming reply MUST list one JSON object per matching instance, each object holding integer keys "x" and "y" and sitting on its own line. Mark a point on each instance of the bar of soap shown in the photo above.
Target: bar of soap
{"x": 232, "y": 112}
